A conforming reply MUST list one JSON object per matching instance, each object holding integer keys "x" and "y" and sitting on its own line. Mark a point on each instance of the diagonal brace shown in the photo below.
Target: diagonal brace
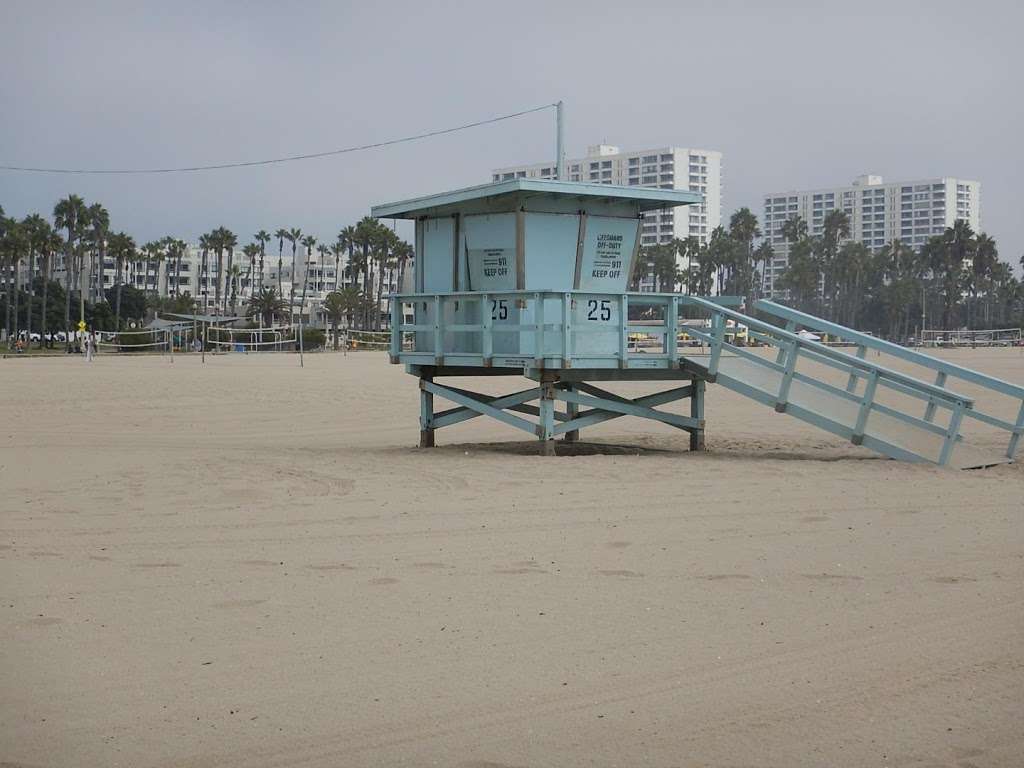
{"x": 460, "y": 397}
{"x": 605, "y": 409}
{"x": 513, "y": 402}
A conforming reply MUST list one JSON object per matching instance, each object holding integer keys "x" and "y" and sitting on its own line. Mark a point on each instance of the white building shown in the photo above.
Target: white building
{"x": 879, "y": 211}
{"x": 696, "y": 170}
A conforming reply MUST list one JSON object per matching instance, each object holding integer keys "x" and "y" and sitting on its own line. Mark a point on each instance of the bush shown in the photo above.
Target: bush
{"x": 313, "y": 338}
{"x": 138, "y": 342}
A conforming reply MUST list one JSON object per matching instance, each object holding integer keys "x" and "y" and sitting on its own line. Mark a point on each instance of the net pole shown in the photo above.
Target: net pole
{"x": 205, "y": 334}
{"x": 302, "y": 363}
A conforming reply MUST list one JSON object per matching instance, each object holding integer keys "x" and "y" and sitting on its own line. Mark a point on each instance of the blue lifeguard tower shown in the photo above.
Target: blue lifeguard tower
{"x": 529, "y": 277}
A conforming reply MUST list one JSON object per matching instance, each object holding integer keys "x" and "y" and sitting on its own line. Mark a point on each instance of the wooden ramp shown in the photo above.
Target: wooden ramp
{"x": 846, "y": 391}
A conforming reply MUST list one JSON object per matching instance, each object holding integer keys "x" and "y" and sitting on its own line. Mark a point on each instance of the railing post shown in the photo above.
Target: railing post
{"x": 851, "y": 383}
{"x": 624, "y": 331}
{"x": 566, "y": 330}
{"x": 538, "y": 338}
{"x": 929, "y": 411}
{"x": 717, "y": 340}
{"x": 672, "y": 331}
{"x": 865, "y": 408}
{"x": 951, "y": 434}
{"x": 787, "y": 377}
{"x": 1011, "y": 450}
{"x": 438, "y": 331}
{"x": 791, "y": 328}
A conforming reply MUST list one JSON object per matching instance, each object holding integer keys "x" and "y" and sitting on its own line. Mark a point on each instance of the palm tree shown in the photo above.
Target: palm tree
{"x": 3, "y": 266}
{"x": 124, "y": 250}
{"x": 986, "y": 257}
{"x": 234, "y": 274}
{"x": 267, "y": 304}
{"x": 308, "y": 242}
{"x": 217, "y": 241}
{"x": 743, "y": 229}
{"x": 99, "y": 229}
{"x": 69, "y": 214}
{"x": 262, "y": 237}
{"x": 53, "y": 244}
{"x": 151, "y": 253}
{"x": 179, "y": 251}
{"x": 323, "y": 250}
{"x": 337, "y": 249}
{"x": 347, "y": 241}
{"x": 384, "y": 241}
{"x": 949, "y": 253}
{"x": 335, "y": 307}
{"x": 836, "y": 227}
{"x": 794, "y": 229}
{"x": 281, "y": 235}
{"x": 15, "y": 243}
{"x": 230, "y": 241}
{"x": 205, "y": 246}
{"x": 38, "y": 232}
{"x": 365, "y": 231}
{"x": 294, "y": 236}
{"x": 251, "y": 251}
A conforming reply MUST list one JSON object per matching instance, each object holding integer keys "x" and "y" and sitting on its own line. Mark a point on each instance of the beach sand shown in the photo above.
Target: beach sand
{"x": 245, "y": 563}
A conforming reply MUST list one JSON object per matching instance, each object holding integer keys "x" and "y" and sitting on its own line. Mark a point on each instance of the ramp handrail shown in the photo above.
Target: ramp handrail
{"x": 944, "y": 370}
{"x": 926, "y": 389}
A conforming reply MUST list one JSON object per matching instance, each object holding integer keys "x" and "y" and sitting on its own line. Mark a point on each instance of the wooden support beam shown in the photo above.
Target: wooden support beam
{"x": 426, "y": 414}
{"x": 697, "y": 412}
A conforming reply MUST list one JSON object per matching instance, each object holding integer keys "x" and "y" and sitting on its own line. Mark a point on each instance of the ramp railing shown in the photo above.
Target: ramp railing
{"x": 794, "y": 381}
{"x": 991, "y": 388}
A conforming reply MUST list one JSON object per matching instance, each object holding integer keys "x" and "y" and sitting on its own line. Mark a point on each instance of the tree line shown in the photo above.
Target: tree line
{"x": 954, "y": 280}
{"x": 375, "y": 258}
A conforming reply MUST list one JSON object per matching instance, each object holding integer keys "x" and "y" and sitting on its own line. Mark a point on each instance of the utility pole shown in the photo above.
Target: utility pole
{"x": 560, "y": 142}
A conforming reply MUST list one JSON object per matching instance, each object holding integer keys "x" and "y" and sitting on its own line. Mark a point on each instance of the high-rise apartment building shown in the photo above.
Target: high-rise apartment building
{"x": 696, "y": 170}
{"x": 879, "y": 211}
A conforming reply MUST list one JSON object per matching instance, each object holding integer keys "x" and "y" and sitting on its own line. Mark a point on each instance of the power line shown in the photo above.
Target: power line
{"x": 288, "y": 159}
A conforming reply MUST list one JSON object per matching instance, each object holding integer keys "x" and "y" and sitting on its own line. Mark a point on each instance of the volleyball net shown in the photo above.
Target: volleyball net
{"x": 992, "y": 337}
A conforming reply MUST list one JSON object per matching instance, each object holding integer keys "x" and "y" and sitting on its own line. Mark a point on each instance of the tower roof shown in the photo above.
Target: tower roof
{"x": 645, "y": 198}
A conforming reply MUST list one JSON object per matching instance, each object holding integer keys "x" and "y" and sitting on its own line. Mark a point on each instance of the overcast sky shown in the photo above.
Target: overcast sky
{"x": 795, "y": 95}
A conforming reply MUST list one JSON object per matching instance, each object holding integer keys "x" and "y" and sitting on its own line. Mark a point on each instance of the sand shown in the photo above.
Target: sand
{"x": 246, "y": 563}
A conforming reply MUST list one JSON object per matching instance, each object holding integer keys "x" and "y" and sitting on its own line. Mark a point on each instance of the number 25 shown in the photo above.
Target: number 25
{"x": 599, "y": 310}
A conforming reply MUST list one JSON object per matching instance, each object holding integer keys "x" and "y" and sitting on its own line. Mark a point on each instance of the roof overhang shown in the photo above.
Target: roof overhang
{"x": 646, "y": 198}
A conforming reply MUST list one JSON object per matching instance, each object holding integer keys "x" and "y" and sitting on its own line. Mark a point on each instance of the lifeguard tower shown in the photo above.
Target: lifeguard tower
{"x": 529, "y": 277}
